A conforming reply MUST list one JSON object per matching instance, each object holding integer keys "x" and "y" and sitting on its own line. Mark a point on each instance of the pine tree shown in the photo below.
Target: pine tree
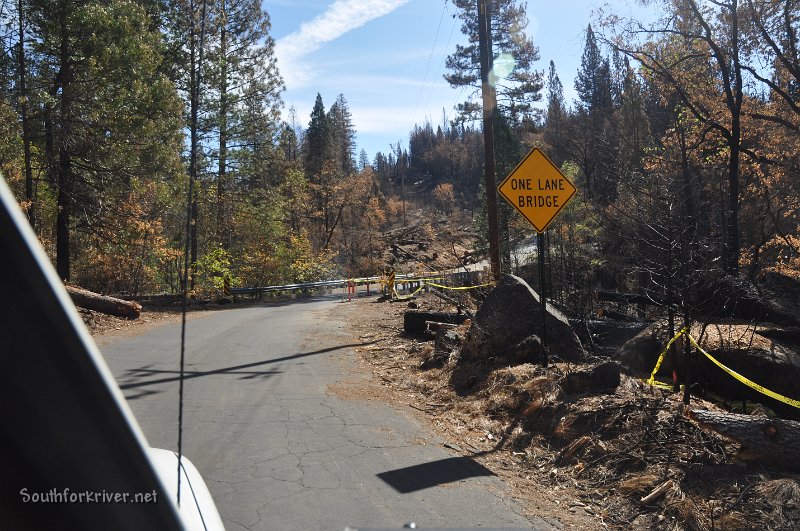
{"x": 324, "y": 173}
{"x": 317, "y": 144}
{"x": 555, "y": 119}
{"x": 185, "y": 27}
{"x": 94, "y": 137}
{"x": 287, "y": 140}
{"x": 363, "y": 160}
{"x": 15, "y": 95}
{"x": 515, "y": 55}
{"x": 247, "y": 90}
{"x": 634, "y": 125}
{"x": 593, "y": 82}
{"x": 593, "y": 136}
{"x": 342, "y": 136}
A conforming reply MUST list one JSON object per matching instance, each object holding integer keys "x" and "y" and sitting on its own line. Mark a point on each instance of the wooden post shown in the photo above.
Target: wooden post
{"x": 542, "y": 296}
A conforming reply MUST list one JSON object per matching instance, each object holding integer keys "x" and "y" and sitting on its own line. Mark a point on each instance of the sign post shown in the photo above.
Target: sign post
{"x": 542, "y": 294}
{"x": 538, "y": 190}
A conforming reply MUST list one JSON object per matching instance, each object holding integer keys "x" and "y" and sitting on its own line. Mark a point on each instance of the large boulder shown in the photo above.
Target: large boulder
{"x": 784, "y": 294}
{"x": 773, "y": 299}
{"x": 640, "y": 353}
{"x": 602, "y": 378}
{"x": 509, "y": 316}
{"x": 766, "y": 355}
{"x": 759, "y": 355}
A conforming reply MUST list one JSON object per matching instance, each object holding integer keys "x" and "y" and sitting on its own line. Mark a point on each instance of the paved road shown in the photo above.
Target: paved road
{"x": 277, "y": 449}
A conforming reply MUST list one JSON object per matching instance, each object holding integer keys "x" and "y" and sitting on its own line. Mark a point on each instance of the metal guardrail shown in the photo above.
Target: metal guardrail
{"x": 288, "y": 287}
{"x": 338, "y": 283}
{"x": 342, "y": 282}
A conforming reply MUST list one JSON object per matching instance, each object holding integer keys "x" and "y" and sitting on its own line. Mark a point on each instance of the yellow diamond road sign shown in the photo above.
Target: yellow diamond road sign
{"x": 537, "y": 189}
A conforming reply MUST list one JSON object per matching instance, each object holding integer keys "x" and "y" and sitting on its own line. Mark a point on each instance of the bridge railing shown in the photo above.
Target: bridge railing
{"x": 459, "y": 278}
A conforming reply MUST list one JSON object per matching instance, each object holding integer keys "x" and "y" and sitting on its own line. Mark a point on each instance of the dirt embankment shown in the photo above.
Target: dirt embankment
{"x": 626, "y": 458}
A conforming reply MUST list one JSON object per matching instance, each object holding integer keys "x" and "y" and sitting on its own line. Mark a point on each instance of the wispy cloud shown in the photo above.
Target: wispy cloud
{"x": 340, "y": 17}
{"x": 383, "y": 119}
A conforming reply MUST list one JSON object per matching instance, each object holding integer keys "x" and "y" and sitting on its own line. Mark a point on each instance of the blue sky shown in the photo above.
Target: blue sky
{"x": 387, "y": 56}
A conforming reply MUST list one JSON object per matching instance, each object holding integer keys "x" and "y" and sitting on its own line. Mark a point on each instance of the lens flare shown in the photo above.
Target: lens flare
{"x": 503, "y": 66}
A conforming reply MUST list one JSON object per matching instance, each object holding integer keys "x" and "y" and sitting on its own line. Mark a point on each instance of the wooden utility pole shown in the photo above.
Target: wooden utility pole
{"x": 402, "y": 189}
{"x": 489, "y": 106}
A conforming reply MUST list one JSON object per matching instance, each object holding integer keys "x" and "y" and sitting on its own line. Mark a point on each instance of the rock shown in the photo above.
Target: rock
{"x": 784, "y": 294}
{"x": 447, "y": 340}
{"x": 774, "y": 366}
{"x": 595, "y": 380}
{"x": 511, "y": 314}
{"x": 529, "y": 350}
{"x": 769, "y": 359}
{"x": 640, "y": 353}
{"x": 775, "y": 299}
{"x": 435, "y": 360}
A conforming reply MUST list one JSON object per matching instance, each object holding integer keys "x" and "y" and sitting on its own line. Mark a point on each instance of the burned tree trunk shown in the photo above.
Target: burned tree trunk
{"x": 104, "y": 304}
{"x": 762, "y": 438}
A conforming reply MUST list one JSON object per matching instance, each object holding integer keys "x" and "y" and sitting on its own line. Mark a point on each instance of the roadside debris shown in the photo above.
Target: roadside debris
{"x": 632, "y": 455}
{"x": 104, "y": 304}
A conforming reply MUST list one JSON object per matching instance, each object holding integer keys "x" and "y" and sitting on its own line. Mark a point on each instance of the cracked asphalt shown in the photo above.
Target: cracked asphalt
{"x": 276, "y": 448}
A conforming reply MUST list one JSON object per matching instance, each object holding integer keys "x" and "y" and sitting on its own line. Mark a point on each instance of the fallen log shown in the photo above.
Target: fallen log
{"x": 104, "y": 304}
{"x": 762, "y": 438}
{"x": 396, "y": 249}
{"x": 415, "y": 322}
{"x": 435, "y": 326}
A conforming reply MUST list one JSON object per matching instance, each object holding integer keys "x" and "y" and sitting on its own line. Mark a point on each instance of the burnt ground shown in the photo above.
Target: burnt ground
{"x": 629, "y": 458}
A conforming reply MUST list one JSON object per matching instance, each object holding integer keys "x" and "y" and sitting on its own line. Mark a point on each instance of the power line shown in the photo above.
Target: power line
{"x": 444, "y": 58}
{"x": 427, "y": 66}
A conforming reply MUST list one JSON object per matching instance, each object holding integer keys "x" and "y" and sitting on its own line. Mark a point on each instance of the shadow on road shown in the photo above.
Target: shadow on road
{"x": 303, "y": 299}
{"x": 135, "y": 374}
{"x": 426, "y": 475}
{"x": 141, "y": 394}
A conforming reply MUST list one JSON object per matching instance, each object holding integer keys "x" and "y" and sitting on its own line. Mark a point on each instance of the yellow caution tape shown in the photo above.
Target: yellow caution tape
{"x": 409, "y": 296}
{"x": 652, "y": 379}
{"x": 425, "y": 279}
{"x": 463, "y": 287}
{"x": 662, "y": 385}
{"x": 423, "y": 284}
{"x": 749, "y": 383}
